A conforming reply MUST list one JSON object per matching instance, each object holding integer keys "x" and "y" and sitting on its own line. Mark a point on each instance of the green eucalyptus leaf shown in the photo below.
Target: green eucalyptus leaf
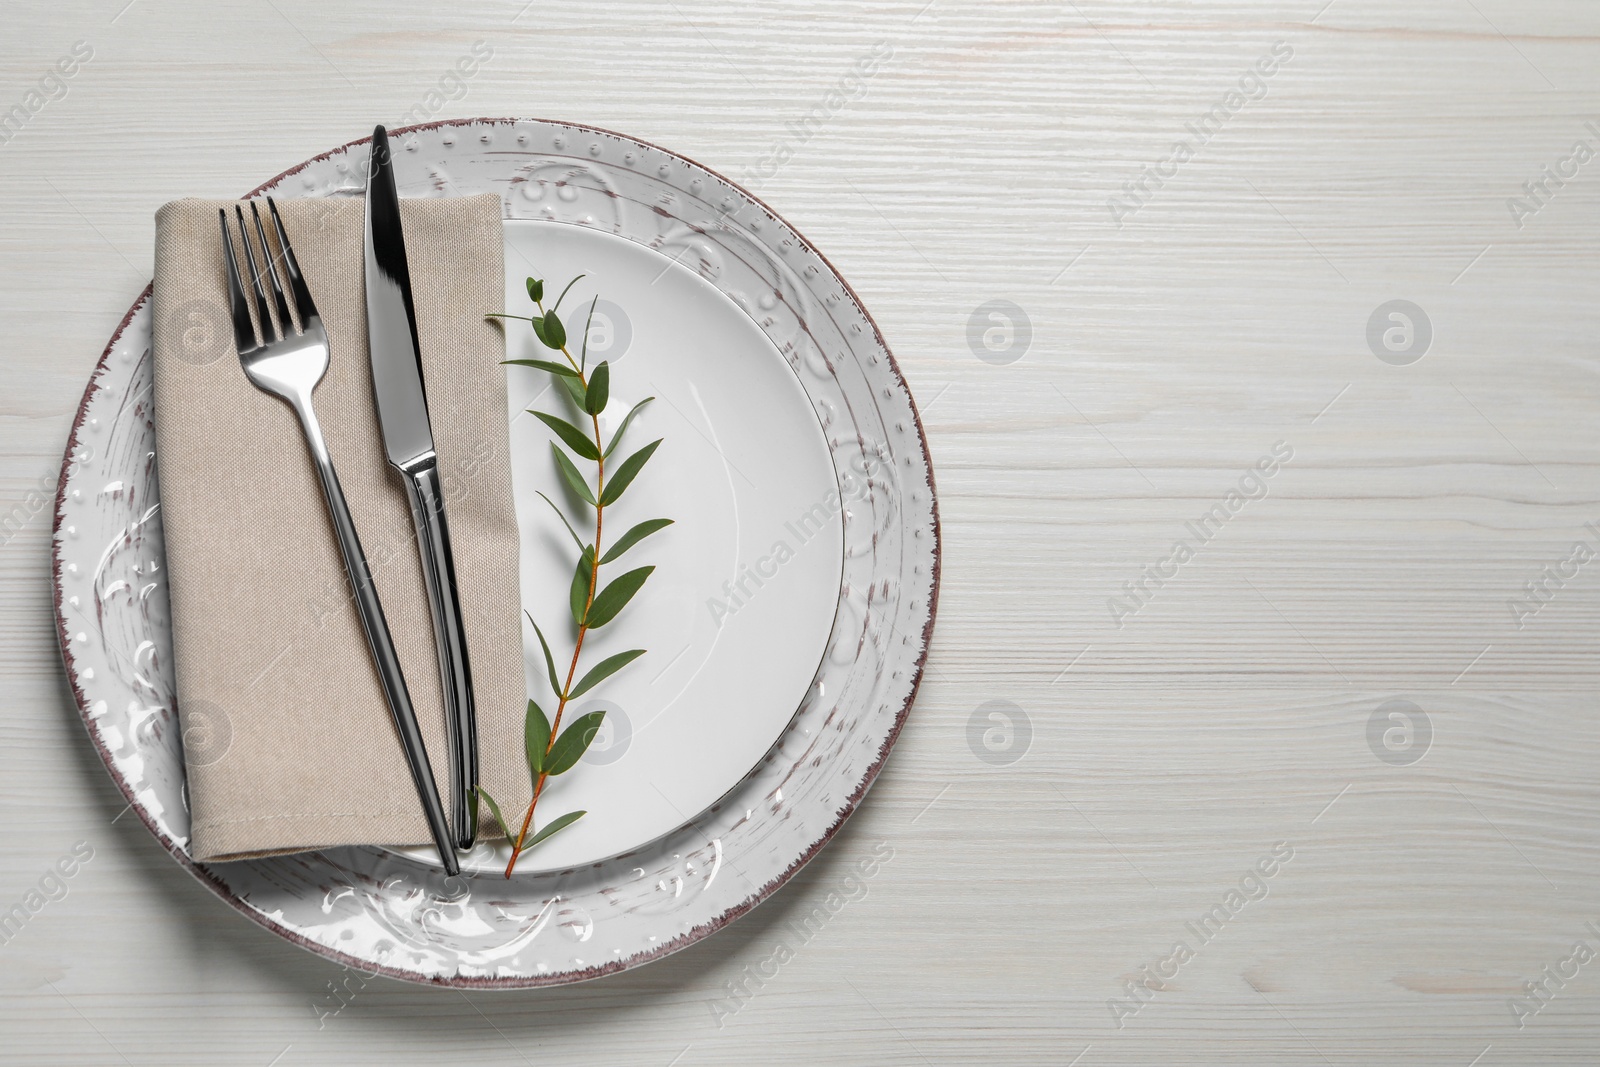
{"x": 493, "y": 808}
{"x": 565, "y": 291}
{"x": 574, "y": 388}
{"x": 554, "y": 331}
{"x": 562, "y": 516}
{"x": 550, "y": 330}
{"x": 583, "y": 355}
{"x": 634, "y": 536}
{"x": 626, "y": 472}
{"x": 573, "y": 742}
{"x": 556, "y": 825}
{"x": 594, "y": 402}
{"x": 605, "y": 669}
{"x": 570, "y": 435}
{"x": 570, "y": 473}
{"x": 582, "y": 576}
{"x": 614, "y": 597}
{"x": 536, "y": 289}
{"x": 542, "y": 364}
{"x": 535, "y": 739}
{"x": 616, "y": 438}
{"x": 549, "y": 660}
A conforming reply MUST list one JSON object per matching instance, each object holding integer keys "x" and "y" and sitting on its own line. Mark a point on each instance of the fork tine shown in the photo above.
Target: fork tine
{"x": 291, "y": 268}
{"x": 244, "y": 331}
{"x": 284, "y": 324}
{"x": 264, "y": 316}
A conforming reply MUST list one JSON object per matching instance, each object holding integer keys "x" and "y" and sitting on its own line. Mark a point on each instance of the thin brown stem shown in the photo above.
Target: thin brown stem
{"x": 583, "y": 628}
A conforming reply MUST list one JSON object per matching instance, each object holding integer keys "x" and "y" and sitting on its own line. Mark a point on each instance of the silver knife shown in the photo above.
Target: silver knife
{"x": 408, "y": 440}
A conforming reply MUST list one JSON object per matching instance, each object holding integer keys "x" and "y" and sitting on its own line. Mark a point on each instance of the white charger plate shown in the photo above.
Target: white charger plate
{"x": 380, "y": 912}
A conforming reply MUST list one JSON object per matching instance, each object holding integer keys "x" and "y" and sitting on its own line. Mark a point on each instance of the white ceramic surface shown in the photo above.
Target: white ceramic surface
{"x": 735, "y": 617}
{"x": 380, "y": 912}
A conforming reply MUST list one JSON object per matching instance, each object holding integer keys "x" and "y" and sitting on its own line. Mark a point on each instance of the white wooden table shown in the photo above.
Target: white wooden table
{"x": 1145, "y": 761}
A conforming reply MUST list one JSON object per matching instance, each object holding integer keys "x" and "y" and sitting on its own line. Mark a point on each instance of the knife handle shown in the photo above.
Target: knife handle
{"x": 381, "y": 645}
{"x": 455, "y": 673}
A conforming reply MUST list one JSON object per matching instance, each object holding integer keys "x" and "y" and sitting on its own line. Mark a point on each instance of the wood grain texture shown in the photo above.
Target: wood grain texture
{"x": 1167, "y": 755}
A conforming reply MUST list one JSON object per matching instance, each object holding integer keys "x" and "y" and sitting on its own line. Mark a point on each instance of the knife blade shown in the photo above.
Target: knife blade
{"x": 399, "y": 389}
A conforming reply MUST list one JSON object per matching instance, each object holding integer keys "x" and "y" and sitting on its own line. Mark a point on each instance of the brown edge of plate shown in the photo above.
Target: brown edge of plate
{"x": 683, "y": 940}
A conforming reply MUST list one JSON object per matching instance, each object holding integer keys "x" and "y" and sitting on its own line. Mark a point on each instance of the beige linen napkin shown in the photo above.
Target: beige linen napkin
{"x": 289, "y": 741}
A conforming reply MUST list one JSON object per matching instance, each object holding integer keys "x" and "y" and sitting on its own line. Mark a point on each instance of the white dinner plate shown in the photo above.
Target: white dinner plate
{"x": 737, "y": 612}
{"x": 583, "y": 193}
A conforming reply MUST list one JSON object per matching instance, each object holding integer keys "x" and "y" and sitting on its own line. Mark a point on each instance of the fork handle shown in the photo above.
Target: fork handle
{"x": 379, "y": 641}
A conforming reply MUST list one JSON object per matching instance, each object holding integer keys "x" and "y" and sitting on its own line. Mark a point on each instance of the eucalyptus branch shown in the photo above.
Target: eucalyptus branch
{"x": 548, "y": 750}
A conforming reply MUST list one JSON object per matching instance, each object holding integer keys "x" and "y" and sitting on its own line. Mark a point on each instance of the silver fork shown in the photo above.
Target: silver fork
{"x": 288, "y": 362}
